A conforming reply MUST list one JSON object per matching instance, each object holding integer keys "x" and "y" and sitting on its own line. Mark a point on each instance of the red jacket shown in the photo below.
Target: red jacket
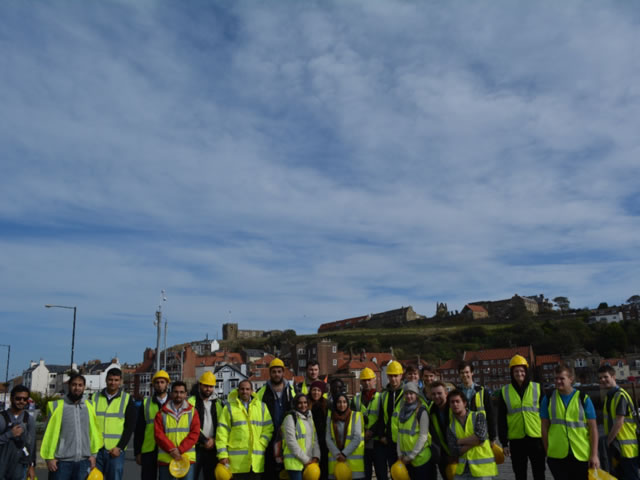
{"x": 189, "y": 441}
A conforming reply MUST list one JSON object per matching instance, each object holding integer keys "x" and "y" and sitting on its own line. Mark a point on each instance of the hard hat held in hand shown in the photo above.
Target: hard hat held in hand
{"x": 179, "y": 468}
{"x": 399, "y": 471}
{"x": 498, "y": 453}
{"x": 342, "y": 471}
{"x": 95, "y": 474}
{"x": 222, "y": 472}
{"x": 311, "y": 472}
{"x": 451, "y": 470}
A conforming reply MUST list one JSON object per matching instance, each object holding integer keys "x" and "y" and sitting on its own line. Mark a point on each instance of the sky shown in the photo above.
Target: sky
{"x": 284, "y": 164}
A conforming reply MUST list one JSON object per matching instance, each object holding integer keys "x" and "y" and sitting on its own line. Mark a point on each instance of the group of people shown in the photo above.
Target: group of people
{"x": 415, "y": 421}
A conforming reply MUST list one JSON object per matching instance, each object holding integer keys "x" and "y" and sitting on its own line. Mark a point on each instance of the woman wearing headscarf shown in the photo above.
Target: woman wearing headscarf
{"x": 344, "y": 436}
{"x": 300, "y": 441}
{"x": 318, "y": 405}
{"x": 414, "y": 441}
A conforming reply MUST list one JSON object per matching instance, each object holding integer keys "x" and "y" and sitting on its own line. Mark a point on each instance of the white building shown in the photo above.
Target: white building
{"x": 606, "y": 316}
{"x": 41, "y": 378}
{"x": 228, "y": 377}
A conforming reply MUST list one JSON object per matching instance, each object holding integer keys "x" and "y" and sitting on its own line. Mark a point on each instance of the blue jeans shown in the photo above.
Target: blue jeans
{"x": 71, "y": 471}
{"x": 627, "y": 469}
{"x": 295, "y": 474}
{"x": 111, "y": 467}
{"x": 166, "y": 475}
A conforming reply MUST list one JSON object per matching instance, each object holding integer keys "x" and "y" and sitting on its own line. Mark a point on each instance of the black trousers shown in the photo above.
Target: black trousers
{"x": 527, "y": 449}
{"x": 568, "y": 468}
{"x": 206, "y": 461}
{"x": 149, "y": 467}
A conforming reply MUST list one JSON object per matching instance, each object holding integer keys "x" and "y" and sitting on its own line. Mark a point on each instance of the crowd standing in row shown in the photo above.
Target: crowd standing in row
{"x": 283, "y": 428}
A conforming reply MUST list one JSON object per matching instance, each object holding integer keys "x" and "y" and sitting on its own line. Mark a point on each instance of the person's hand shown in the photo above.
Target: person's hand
{"x": 368, "y": 435}
{"x": 341, "y": 458}
{"x": 383, "y": 440}
{"x": 405, "y": 460}
{"x": 175, "y": 454}
{"x": 17, "y": 430}
{"x": 31, "y": 472}
{"x": 594, "y": 462}
{"x": 224, "y": 461}
{"x": 52, "y": 465}
{"x": 139, "y": 459}
{"x": 92, "y": 462}
{"x": 115, "y": 452}
{"x": 506, "y": 451}
{"x": 209, "y": 444}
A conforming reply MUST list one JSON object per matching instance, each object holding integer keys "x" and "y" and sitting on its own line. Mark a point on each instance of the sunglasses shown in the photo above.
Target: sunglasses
{"x": 21, "y": 399}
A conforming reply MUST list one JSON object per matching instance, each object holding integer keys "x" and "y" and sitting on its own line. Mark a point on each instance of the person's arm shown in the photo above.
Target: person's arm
{"x": 130, "y": 415}
{"x": 31, "y": 440}
{"x": 6, "y": 436}
{"x": 503, "y": 427}
{"x": 222, "y": 435}
{"x": 194, "y": 432}
{"x": 452, "y": 443}
{"x": 138, "y": 436}
{"x": 594, "y": 460}
{"x": 356, "y": 436}
{"x": 267, "y": 430}
{"x": 289, "y": 427}
{"x": 615, "y": 429}
{"x": 315, "y": 450}
{"x": 490, "y": 416}
{"x": 544, "y": 420}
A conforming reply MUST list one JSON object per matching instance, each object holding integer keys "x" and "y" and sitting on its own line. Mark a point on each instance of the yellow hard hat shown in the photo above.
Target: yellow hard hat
{"x": 399, "y": 471}
{"x": 342, "y": 471}
{"x": 180, "y": 468}
{"x": 367, "y": 374}
{"x": 451, "y": 470}
{"x": 498, "y": 453}
{"x": 518, "y": 360}
{"x": 223, "y": 472}
{"x": 208, "y": 378}
{"x": 160, "y": 374}
{"x": 597, "y": 474}
{"x": 394, "y": 368}
{"x": 95, "y": 474}
{"x": 276, "y": 362}
{"x": 311, "y": 472}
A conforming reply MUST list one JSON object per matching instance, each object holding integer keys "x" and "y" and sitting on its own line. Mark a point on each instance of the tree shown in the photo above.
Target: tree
{"x": 603, "y": 305}
{"x": 562, "y": 303}
{"x": 634, "y": 300}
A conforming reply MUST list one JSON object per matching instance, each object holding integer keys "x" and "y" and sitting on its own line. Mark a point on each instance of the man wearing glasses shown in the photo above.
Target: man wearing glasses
{"x": 17, "y": 438}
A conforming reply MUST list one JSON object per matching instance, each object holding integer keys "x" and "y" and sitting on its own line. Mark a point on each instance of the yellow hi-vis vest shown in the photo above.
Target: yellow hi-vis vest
{"x": 370, "y": 412}
{"x": 480, "y": 458}
{"x": 356, "y": 459}
{"x": 478, "y": 401}
{"x": 243, "y": 435}
{"x": 568, "y": 427}
{"x": 291, "y": 462}
{"x": 408, "y": 433}
{"x": 177, "y": 430}
{"x": 433, "y": 413}
{"x": 627, "y": 435}
{"x": 149, "y": 410}
{"x": 54, "y": 423}
{"x": 523, "y": 414}
{"x": 384, "y": 401}
{"x": 111, "y": 417}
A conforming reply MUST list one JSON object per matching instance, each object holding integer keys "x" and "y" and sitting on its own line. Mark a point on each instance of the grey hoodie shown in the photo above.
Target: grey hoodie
{"x": 74, "y": 443}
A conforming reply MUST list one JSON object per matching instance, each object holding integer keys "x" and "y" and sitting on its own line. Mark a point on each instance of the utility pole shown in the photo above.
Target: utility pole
{"x": 158, "y": 323}
{"x": 165, "y": 345}
{"x": 6, "y": 375}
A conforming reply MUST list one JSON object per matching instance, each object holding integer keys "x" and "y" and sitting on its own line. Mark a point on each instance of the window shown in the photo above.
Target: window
{"x": 301, "y": 351}
{"x": 313, "y": 351}
{"x": 302, "y": 363}
{"x": 335, "y": 361}
{"x": 493, "y": 370}
{"x": 334, "y": 349}
{"x": 500, "y": 370}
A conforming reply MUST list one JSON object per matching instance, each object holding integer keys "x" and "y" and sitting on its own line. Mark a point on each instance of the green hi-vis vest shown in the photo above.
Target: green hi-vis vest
{"x": 433, "y": 413}
{"x": 289, "y": 385}
{"x": 408, "y": 433}
{"x": 356, "y": 459}
{"x": 177, "y": 431}
{"x": 291, "y": 462}
{"x": 480, "y": 458}
{"x": 627, "y": 436}
{"x": 243, "y": 435}
{"x": 523, "y": 414}
{"x": 478, "y": 404}
{"x": 370, "y": 412}
{"x": 568, "y": 427}
{"x": 384, "y": 401}
{"x": 149, "y": 410}
{"x": 111, "y": 417}
{"x": 54, "y": 423}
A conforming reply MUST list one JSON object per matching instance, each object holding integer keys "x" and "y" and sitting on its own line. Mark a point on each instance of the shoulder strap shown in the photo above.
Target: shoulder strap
{"x": 7, "y": 420}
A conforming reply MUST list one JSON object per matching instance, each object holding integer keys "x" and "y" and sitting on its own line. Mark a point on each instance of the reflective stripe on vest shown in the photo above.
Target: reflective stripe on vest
{"x": 356, "y": 459}
{"x": 568, "y": 428}
{"x": 291, "y": 462}
{"x": 523, "y": 414}
{"x": 370, "y": 412}
{"x": 110, "y": 417}
{"x": 479, "y": 458}
{"x": 627, "y": 435}
{"x": 408, "y": 433}
{"x": 177, "y": 432}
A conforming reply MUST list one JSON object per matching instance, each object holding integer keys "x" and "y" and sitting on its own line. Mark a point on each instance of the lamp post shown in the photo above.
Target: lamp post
{"x": 6, "y": 375}
{"x": 73, "y": 333}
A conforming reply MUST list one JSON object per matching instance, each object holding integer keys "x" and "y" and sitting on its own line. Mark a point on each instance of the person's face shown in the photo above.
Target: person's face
{"x": 466, "y": 376}
{"x": 244, "y": 391}
{"x": 316, "y": 393}
{"x": 302, "y": 405}
{"x": 410, "y": 397}
{"x": 341, "y": 404}
{"x": 20, "y": 401}
{"x": 206, "y": 390}
{"x": 564, "y": 382}
{"x": 519, "y": 374}
{"x": 160, "y": 386}
{"x": 412, "y": 377}
{"x": 113, "y": 383}
{"x": 76, "y": 387}
{"x": 276, "y": 374}
{"x": 428, "y": 378}
{"x": 313, "y": 371}
{"x": 395, "y": 381}
{"x": 606, "y": 380}
{"x": 457, "y": 405}
{"x": 369, "y": 384}
{"x": 336, "y": 388}
{"x": 178, "y": 394}
{"x": 439, "y": 396}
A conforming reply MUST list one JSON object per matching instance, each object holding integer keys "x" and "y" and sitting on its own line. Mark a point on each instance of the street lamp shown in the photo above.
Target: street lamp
{"x": 6, "y": 375}
{"x": 73, "y": 334}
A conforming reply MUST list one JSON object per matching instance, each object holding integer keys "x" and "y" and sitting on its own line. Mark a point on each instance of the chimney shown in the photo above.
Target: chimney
{"x": 363, "y": 355}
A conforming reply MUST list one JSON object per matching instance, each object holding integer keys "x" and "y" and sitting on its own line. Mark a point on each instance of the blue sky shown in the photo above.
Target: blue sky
{"x": 284, "y": 164}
